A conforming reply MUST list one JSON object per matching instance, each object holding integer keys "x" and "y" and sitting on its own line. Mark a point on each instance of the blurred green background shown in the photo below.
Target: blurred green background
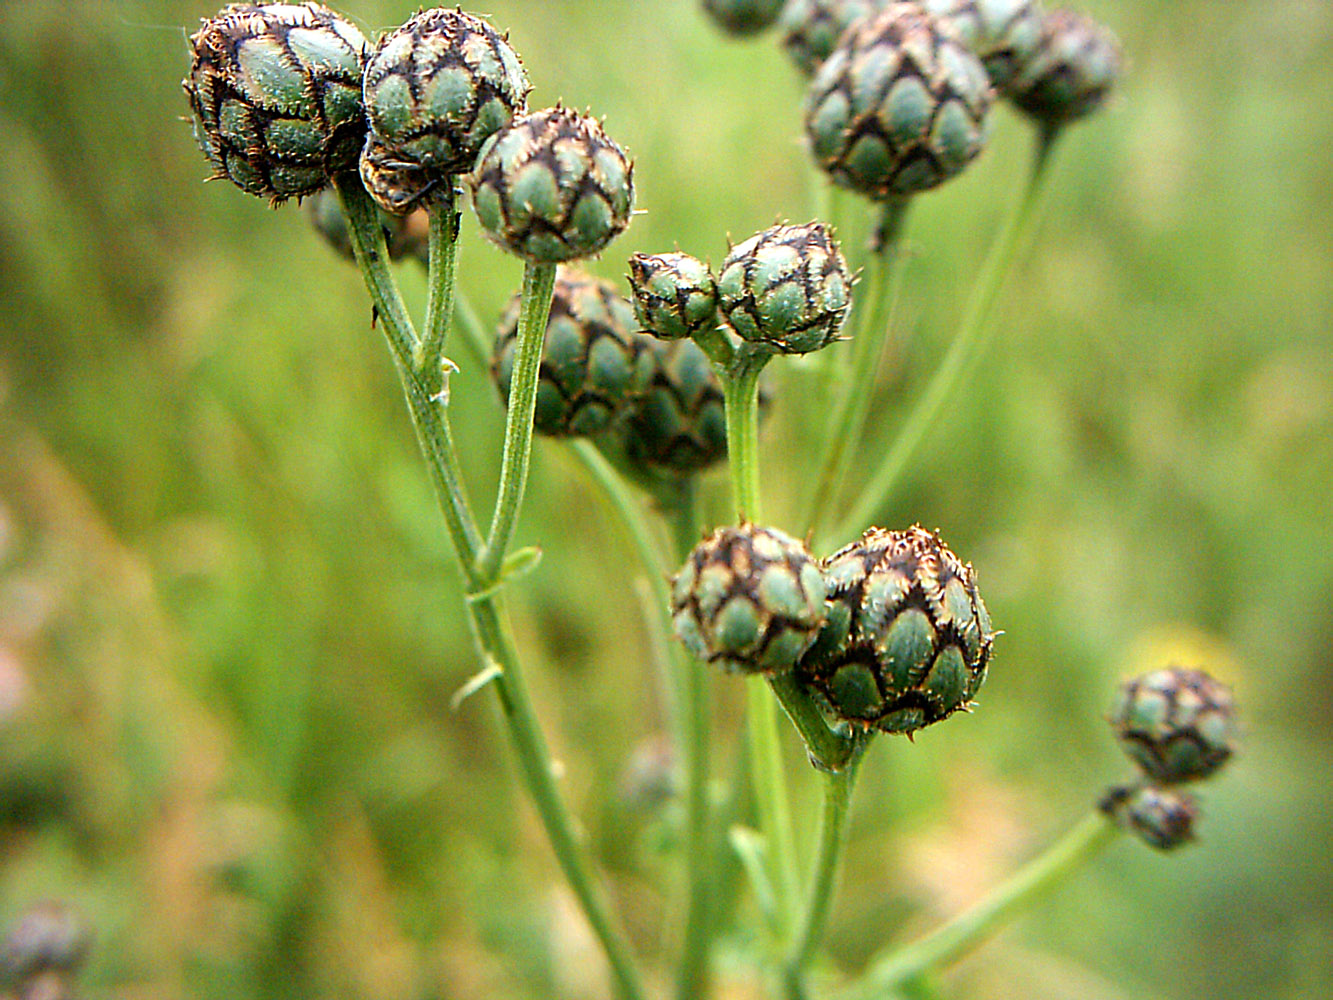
{"x": 230, "y": 625}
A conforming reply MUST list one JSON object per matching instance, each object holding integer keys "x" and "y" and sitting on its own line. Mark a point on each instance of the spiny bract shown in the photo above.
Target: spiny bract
{"x": 899, "y": 107}
{"x": 675, "y": 295}
{"x": 1003, "y": 34}
{"x": 593, "y": 366}
{"x": 908, "y": 639}
{"x": 787, "y": 287}
{"x": 1176, "y": 724}
{"x": 439, "y": 86}
{"x": 749, "y": 599}
{"x": 551, "y": 187}
{"x": 275, "y": 91}
{"x": 1071, "y": 73}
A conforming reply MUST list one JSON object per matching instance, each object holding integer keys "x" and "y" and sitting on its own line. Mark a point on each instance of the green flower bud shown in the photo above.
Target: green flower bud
{"x": 1071, "y": 73}
{"x": 593, "y": 366}
{"x": 551, "y": 187}
{"x": 404, "y": 234}
{"x": 396, "y": 185}
{"x": 1161, "y": 817}
{"x": 439, "y": 86}
{"x": 276, "y": 94}
{"x": 908, "y": 639}
{"x": 811, "y": 28}
{"x": 1004, "y": 34}
{"x": 744, "y": 17}
{"x": 749, "y": 599}
{"x": 679, "y": 426}
{"x": 48, "y": 937}
{"x": 787, "y": 287}
{"x": 899, "y": 107}
{"x": 1176, "y": 724}
{"x": 675, "y": 295}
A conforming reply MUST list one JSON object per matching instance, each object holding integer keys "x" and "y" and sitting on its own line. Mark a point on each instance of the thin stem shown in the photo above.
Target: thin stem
{"x": 535, "y": 308}
{"x": 430, "y": 419}
{"x": 740, "y": 388}
{"x": 828, "y": 750}
{"x": 535, "y": 763}
{"x": 832, "y": 838}
{"x": 874, "y": 301}
{"x": 965, "y": 347}
{"x": 442, "y": 277}
{"x": 770, "y": 792}
{"x": 1030, "y": 884}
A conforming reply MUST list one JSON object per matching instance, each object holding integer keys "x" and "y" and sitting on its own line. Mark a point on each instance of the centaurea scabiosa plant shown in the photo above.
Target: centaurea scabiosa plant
{"x": 888, "y": 634}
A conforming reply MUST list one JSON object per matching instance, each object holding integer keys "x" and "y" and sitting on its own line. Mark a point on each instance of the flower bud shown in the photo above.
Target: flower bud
{"x": 275, "y": 89}
{"x": 679, "y": 426}
{"x": 592, "y": 368}
{"x": 396, "y": 185}
{"x": 899, "y": 107}
{"x": 744, "y": 17}
{"x": 439, "y": 86}
{"x": 749, "y": 599}
{"x": 908, "y": 639}
{"x": 404, "y": 234}
{"x": 551, "y": 187}
{"x": 787, "y": 287}
{"x": 1003, "y": 34}
{"x": 1161, "y": 817}
{"x": 1073, "y": 69}
{"x": 675, "y": 295}
{"x": 48, "y": 937}
{"x": 811, "y": 28}
{"x": 1175, "y": 724}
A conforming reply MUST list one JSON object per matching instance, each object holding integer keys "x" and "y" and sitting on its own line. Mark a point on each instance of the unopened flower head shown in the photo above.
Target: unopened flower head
{"x": 1162, "y": 818}
{"x": 749, "y": 599}
{"x": 593, "y": 366}
{"x": 675, "y": 295}
{"x": 811, "y": 28}
{"x": 1176, "y": 724}
{"x": 1070, "y": 75}
{"x": 678, "y": 427}
{"x": 397, "y": 185}
{"x": 899, "y": 107}
{"x": 275, "y": 91}
{"x": 1004, "y": 34}
{"x": 908, "y": 639}
{"x": 787, "y": 287}
{"x": 744, "y": 17}
{"x": 551, "y": 187}
{"x": 439, "y": 86}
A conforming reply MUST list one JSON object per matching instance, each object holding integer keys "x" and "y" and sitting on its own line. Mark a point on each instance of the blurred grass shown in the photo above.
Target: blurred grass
{"x": 229, "y": 623}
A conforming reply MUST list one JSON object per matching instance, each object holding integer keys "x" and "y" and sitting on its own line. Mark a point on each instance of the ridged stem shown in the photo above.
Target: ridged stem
{"x": 441, "y": 280}
{"x": 534, "y": 309}
{"x": 495, "y": 644}
{"x": 740, "y": 388}
{"x": 966, "y": 346}
{"x": 771, "y": 801}
{"x": 945, "y": 945}
{"x": 874, "y": 300}
{"x": 832, "y": 838}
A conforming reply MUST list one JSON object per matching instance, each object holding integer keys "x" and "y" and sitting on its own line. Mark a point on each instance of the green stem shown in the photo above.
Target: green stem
{"x": 442, "y": 277}
{"x": 535, "y": 308}
{"x": 828, "y": 750}
{"x": 534, "y": 759}
{"x": 430, "y": 419}
{"x": 874, "y": 302}
{"x": 740, "y": 388}
{"x": 832, "y": 838}
{"x": 770, "y": 792}
{"x": 965, "y": 347}
{"x": 1030, "y": 884}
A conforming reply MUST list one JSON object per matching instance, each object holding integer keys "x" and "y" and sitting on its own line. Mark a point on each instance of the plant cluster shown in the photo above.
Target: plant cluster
{"x": 886, "y": 634}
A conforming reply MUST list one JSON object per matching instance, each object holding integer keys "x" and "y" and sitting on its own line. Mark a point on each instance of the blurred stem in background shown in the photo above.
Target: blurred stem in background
{"x": 498, "y": 653}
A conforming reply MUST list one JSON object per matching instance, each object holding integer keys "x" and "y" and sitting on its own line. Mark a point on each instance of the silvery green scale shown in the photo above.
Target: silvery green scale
{"x": 1177, "y": 724}
{"x": 1071, "y": 73}
{"x": 551, "y": 187}
{"x": 899, "y": 107}
{"x": 1163, "y": 818}
{"x": 811, "y": 28}
{"x": 593, "y": 367}
{"x": 748, "y": 599}
{"x": 678, "y": 427}
{"x": 275, "y": 92}
{"x": 907, "y": 641}
{"x": 787, "y": 288}
{"x": 675, "y": 295}
{"x": 1003, "y": 34}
